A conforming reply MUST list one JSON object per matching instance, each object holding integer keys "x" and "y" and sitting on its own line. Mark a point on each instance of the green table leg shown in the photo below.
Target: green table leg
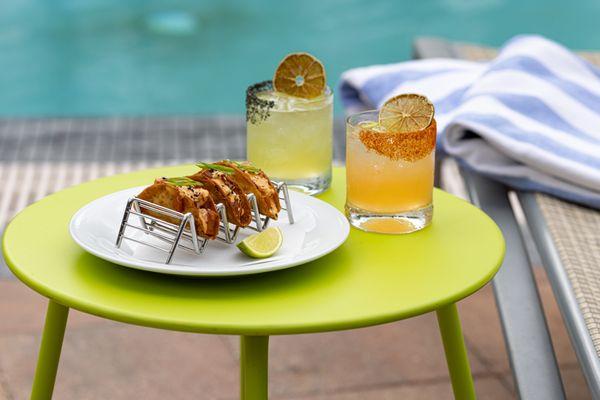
{"x": 456, "y": 353}
{"x": 254, "y": 367}
{"x": 52, "y": 339}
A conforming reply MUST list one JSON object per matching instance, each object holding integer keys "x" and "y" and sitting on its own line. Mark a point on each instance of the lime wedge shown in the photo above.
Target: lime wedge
{"x": 263, "y": 244}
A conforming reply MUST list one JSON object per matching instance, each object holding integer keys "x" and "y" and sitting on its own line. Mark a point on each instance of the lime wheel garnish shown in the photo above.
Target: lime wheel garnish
{"x": 300, "y": 75}
{"x": 406, "y": 113}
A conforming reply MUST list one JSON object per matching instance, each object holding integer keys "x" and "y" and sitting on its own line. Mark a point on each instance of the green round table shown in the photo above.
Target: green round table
{"x": 371, "y": 279}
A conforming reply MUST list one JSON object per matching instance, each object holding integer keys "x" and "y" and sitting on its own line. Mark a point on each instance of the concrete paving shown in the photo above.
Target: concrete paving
{"x": 108, "y": 360}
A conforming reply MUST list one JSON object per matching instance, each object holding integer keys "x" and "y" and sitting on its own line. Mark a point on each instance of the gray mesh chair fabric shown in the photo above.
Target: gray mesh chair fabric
{"x": 575, "y": 232}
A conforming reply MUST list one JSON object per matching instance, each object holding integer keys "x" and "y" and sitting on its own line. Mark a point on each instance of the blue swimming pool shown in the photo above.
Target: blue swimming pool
{"x": 98, "y": 57}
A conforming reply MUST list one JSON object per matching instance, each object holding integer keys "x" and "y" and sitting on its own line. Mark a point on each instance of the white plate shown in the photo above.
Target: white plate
{"x": 319, "y": 229}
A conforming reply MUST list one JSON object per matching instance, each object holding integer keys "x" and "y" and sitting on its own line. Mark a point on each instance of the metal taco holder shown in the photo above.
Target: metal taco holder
{"x": 183, "y": 235}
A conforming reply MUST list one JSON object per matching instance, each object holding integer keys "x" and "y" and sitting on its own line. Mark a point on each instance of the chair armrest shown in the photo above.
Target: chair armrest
{"x": 563, "y": 292}
{"x": 528, "y": 342}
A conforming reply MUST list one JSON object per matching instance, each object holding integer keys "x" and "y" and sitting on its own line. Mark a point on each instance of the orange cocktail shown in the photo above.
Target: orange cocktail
{"x": 389, "y": 175}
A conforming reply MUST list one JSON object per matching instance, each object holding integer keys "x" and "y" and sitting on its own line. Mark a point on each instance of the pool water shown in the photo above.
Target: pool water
{"x": 131, "y": 57}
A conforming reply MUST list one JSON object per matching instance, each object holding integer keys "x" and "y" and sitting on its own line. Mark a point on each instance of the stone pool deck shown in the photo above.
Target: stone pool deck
{"x": 108, "y": 360}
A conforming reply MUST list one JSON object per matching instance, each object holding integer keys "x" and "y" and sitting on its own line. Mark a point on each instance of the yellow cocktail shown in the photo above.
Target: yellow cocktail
{"x": 294, "y": 143}
{"x": 389, "y": 175}
{"x": 290, "y": 124}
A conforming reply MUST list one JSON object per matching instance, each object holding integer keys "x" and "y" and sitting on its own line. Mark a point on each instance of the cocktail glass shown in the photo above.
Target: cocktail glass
{"x": 389, "y": 176}
{"x": 291, "y": 138}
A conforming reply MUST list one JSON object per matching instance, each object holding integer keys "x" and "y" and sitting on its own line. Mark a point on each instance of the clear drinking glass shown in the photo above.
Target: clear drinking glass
{"x": 389, "y": 176}
{"x": 291, "y": 138}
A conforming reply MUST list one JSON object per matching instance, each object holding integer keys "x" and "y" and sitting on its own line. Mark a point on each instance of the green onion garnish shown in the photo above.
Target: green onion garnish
{"x": 246, "y": 167}
{"x": 183, "y": 181}
{"x": 216, "y": 167}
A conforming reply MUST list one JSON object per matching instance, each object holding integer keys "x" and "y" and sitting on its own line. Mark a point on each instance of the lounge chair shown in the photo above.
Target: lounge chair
{"x": 567, "y": 237}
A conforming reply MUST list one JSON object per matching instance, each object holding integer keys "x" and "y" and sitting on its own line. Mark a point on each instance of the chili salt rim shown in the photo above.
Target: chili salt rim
{"x": 406, "y": 146}
{"x": 257, "y": 109}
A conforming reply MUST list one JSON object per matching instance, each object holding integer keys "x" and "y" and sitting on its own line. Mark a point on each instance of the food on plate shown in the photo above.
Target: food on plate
{"x": 263, "y": 244}
{"x": 217, "y": 180}
{"x": 253, "y": 180}
{"x": 184, "y": 195}
{"x": 226, "y": 182}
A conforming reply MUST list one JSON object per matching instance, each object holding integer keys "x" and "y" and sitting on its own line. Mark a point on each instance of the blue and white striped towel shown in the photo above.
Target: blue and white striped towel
{"x": 530, "y": 118}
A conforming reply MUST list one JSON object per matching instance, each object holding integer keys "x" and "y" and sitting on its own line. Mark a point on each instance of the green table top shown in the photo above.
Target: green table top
{"x": 370, "y": 279}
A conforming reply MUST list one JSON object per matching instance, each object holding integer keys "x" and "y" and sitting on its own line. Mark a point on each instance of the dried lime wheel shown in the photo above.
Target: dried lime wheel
{"x": 300, "y": 75}
{"x": 406, "y": 113}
